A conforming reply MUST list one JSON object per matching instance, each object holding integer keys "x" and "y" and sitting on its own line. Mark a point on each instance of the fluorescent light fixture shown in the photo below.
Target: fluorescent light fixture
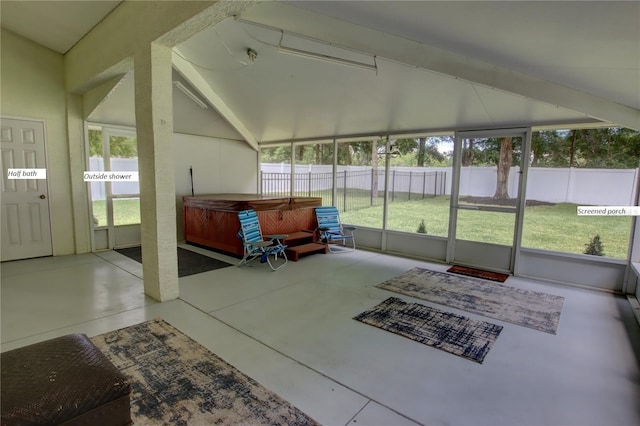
{"x": 327, "y": 58}
{"x": 184, "y": 89}
{"x": 306, "y": 53}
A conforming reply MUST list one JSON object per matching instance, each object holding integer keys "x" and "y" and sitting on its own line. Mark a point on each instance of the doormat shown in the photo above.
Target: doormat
{"x": 450, "y": 332}
{"x": 533, "y": 309}
{"x": 189, "y": 262}
{"x": 177, "y": 381}
{"x": 478, "y": 273}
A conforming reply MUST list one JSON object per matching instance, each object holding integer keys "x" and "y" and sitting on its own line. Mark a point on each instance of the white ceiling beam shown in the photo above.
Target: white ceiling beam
{"x": 93, "y": 97}
{"x": 378, "y": 43}
{"x": 189, "y": 72}
{"x": 108, "y": 49}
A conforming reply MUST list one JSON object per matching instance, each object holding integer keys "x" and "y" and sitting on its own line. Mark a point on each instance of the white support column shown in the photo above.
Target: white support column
{"x": 154, "y": 122}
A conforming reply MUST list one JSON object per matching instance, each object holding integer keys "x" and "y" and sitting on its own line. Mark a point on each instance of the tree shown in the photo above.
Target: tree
{"x": 467, "y": 152}
{"x": 548, "y": 149}
{"x": 504, "y": 166}
{"x": 344, "y": 153}
{"x": 119, "y": 146}
{"x": 421, "y": 151}
{"x": 374, "y": 169}
{"x": 572, "y": 151}
{"x": 611, "y": 147}
{"x": 406, "y": 146}
{"x": 276, "y": 154}
{"x": 95, "y": 143}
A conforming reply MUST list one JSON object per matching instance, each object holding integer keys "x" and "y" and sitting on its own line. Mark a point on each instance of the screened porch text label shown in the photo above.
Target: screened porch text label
{"x": 608, "y": 210}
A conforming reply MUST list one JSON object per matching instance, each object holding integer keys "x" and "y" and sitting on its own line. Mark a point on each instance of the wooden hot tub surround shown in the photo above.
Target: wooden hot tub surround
{"x": 212, "y": 220}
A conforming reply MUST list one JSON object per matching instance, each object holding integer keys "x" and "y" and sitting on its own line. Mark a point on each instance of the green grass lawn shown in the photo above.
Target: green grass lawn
{"x": 126, "y": 211}
{"x": 556, "y": 227}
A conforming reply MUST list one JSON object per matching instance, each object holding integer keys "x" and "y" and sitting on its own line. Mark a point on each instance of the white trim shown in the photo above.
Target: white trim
{"x": 107, "y": 130}
{"x": 190, "y": 95}
{"x": 524, "y": 133}
{"x": 522, "y": 199}
{"x": 574, "y": 256}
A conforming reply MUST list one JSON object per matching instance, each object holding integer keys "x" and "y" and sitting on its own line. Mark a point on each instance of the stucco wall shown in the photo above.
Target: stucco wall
{"x": 32, "y": 85}
{"x": 219, "y": 166}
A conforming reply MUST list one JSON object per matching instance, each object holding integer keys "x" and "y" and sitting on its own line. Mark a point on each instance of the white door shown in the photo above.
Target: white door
{"x": 487, "y": 209}
{"x": 26, "y": 226}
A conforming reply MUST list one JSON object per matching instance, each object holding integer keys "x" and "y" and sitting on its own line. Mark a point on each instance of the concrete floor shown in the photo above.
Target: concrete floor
{"x": 292, "y": 331}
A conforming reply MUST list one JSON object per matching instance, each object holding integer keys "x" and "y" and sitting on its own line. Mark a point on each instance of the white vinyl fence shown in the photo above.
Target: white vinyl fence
{"x": 117, "y": 188}
{"x": 556, "y": 185}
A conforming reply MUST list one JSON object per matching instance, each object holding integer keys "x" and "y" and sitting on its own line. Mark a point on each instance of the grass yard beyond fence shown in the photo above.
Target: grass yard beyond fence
{"x": 556, "y": 227}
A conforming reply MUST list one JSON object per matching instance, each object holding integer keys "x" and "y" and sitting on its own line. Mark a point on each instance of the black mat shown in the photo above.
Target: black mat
{"x": 189, "y": 262}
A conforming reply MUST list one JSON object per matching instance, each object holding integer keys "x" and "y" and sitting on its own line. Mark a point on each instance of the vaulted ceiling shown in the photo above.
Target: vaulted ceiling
{"x": 432, "y": 66}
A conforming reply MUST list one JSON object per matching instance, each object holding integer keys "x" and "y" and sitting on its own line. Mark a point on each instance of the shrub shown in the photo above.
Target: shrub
{"x": 422, "y": 229}
{"x": 595, "y": 247}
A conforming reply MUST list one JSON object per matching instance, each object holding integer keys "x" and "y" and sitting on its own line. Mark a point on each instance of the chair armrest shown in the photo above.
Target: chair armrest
{"x": 259, "y": 243}
{"x": 276, "y": 236}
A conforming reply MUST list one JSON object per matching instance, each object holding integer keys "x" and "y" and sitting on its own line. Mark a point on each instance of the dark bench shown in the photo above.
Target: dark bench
{"x": 67, "y": 381}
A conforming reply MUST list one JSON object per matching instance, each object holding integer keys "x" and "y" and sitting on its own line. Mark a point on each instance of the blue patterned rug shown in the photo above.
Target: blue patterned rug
{"x": 540, "y": 311}
{"x": 176, "y": 381}
{"x": 450, "y": 332}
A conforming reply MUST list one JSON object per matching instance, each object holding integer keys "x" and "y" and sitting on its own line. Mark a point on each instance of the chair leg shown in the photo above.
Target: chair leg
{"x": 275, "y": 259}
{"x": 343, "y": 245}
{"x": 245, "y": 260}
{"x": 248, "y": 257}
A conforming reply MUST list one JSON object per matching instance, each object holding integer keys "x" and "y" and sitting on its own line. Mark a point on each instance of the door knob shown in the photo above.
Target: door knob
{"x": 42, "y": 196}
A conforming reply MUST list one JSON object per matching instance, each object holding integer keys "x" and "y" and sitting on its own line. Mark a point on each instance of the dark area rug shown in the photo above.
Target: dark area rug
{"x": 478, "y": 273}
{"x": 189, "y": 262}
{"x": 533, "y": 309}
{"x": 177, "y": 381}
{"x": 450, "y": 332}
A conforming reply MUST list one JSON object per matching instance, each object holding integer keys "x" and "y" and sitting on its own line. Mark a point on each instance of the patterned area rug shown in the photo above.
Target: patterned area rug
{"x": 450, "y": 332}
{"x": 540, "y": 311}
{"x": 176, "y": 381}
{"x": 478, "y": 273}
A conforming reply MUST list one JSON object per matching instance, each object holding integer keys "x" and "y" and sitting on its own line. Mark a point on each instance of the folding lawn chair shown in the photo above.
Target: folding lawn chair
{"x": 255, "y": 246}
{"x": 332, "y": 232}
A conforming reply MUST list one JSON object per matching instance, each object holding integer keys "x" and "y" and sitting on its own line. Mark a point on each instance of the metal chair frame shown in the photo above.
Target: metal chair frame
{"x": 332, "y": 232}
{"x": 257, "y": 245}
